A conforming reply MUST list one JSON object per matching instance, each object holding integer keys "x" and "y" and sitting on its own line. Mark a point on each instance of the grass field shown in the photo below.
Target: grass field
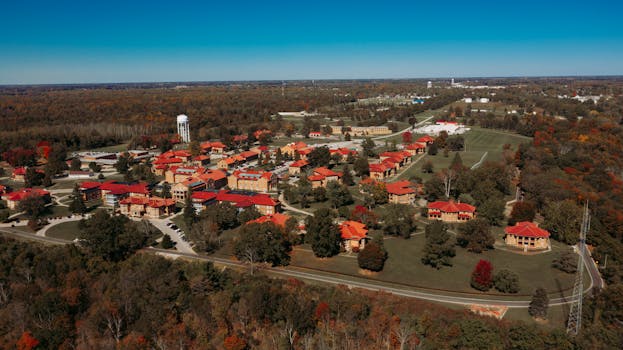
{"x": 115, "y": 148}
{"x": 478, "y": 141}
{"x": 404, "y": 266}
{"x": 66, "y": 230}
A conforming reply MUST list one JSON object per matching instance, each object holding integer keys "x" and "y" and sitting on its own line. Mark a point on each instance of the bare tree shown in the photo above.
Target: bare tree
{"x": 448, "y": 176}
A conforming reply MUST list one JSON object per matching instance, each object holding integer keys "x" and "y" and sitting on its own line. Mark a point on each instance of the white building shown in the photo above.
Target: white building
{"x": 183, "y": 128}
{"x": 483, "y": 100}
{"x": 468, "y": 100}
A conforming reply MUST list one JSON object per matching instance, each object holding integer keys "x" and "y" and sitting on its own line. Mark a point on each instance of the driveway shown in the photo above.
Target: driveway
{"x": 181, "y": 245}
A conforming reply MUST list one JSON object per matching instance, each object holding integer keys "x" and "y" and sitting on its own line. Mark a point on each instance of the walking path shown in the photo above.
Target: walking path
{"x": 287, "y": 206}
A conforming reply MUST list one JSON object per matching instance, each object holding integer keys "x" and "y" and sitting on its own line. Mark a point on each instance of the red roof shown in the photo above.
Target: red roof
{"x": 215, "y": 144}
{"x": 452, "y": 207}
{"x": 426, "y": 139}
{"x": 202, "y": 157}
{"x": 399, "y": 188}
{"x": 167, "y": 161}
{"x": 154, "y": 202}
{"x": 325, "y": 172}
{"x": 252, "y": 174}
{"x": 249, "y": 154}
{"x": 257, "y": 199}
{"x": 527, "y": 229}
{"x": 277, "y": 219}
{"x": 19, "y": 171}
{"x": 87, "y": 185}
{"x": 203, "y": 196}
{"x": 214, "y": 175}
{"x": 416, "y": 146}
{"x": 316, "y": 177}
{"x": 299, "y": 164}
{"x": 353, "y": 230}
{"x": 25, "y": 192}
{"x": 121, "y": 188}
{"x": 378, "y": 168}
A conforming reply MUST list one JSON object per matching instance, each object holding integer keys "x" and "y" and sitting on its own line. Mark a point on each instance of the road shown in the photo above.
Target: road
{"x": 324, "y": 278}
{"x": 180, "y": 244}
{"x": 482, "y": 159}
{"x": 591, "y": 266}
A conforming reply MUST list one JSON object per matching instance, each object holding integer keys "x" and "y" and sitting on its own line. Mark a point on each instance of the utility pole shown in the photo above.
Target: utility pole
{"x": 575, "y": 314}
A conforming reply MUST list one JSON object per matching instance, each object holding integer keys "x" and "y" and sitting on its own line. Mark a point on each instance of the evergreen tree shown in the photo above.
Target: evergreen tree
{"x": 338, "y": 194}
{"x": 439, "y": 248}
{"x": 361, "y": 166}
{"x": 190, "y": 214}
{"x": 323, "y": 234}
{"x": 347, "y": 177}
{"x": 77, "y": 203}
{"x": 368, "y": 147}
{"x": 457, "y": 162}
{"x": 76, "y": 164}
{"x": 433, "y": 149}
{"x": 539, "y": 304}
{"x": 167, "y": 243}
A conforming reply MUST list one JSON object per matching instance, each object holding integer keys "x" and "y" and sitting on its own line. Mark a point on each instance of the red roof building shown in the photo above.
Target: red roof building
{"x": 354, "y": 235}
{"x": 527, "y": 236}
{"x": 401, "y": 192}
{"x": 426, "y": 139}
{"x": 297, "y": 167}
{"x": 14, "y": 198}
{"x": 252, "y": 180}
{"x": 451, "y": 211}
{"x": 278, "y": 219}
{"x": 416, "y": 148}
{"x": 322, "y": 176}
{"x": 151, "y": 207}
{"x": 380, "y": 171}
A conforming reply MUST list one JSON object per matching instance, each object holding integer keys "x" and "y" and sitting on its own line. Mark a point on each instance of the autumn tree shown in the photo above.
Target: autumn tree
{"x": 562, "y": 220}
{"x": 475, "y": 235}
{"x": 522, "y": 211}
{"x": 482, "y": 276}
{"x": 265, "y": 242}
{"x": 338, "y": 194}
{"x": 567, "y": 262}
{"x": 361, "y": 166}
{"x": 33, "y": 206}
{"x": 27, "y": 342}
{"x": 323, "y": 234}
{"x": 373, "y": 256}
{"x": 407, "y": 137}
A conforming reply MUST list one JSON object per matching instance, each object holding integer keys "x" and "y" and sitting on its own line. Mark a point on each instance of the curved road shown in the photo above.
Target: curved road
{"x": 281, "y": 271}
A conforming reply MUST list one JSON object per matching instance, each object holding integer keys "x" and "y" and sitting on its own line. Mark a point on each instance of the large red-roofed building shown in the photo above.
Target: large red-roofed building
{"x": 527, "y": 236}
{"x": 353, "y": 235}
{"x": 14, "y": 198}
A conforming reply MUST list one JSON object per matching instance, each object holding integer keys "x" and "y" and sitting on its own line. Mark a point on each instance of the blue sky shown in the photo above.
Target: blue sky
{"x": 130, "y": 41}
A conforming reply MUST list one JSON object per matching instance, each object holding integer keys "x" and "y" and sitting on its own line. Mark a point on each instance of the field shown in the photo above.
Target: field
{"x": 478, "y": 141}
{"x": 65, "y": 230}
{"x": 404, "y": 267}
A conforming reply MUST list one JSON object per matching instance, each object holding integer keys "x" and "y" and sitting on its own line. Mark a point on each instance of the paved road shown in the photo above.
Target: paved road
{"x": 591, "y": 266}
{"x": 324, "y": 278}
{"x": 287, "y": 206}
{"x": 54, "y": 222}
{"x": 479, "y": 163}
{"x": 181, "y": 245}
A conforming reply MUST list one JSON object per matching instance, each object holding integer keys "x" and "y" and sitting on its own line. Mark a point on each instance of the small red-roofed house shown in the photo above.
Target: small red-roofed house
{"x": 14, "y": 198}
{"x": 451, "y": 211}
{"x": 201, "y": 160}
{"x": 343, "y": 152}
{"x": 527, "y": 236}
{"x": 380, "y": 171}
{"x": 428, "y": 140}
{"x": 354, "y": 235}
{"x": 315, "y": 134}
{"x": 297, "y": 167}
{"x": 322, "y": 176}
{"x": 19, "y": 174}
{"x": 401, "y": 192}
{"x": 3, "y": 190}
{"x": 416, "y": 148}
{"x": 150, "y": 207}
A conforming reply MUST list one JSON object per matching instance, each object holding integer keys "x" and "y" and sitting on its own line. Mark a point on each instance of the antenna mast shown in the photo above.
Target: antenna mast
{"x": 575, "y": 314}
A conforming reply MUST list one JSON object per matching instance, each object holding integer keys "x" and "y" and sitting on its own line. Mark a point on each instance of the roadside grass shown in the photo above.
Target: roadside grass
{"x": 404, "y": 266}
{"x": 65, "y": 230}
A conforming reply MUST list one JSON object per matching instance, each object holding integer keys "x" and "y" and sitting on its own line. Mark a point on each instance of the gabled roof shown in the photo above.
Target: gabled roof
{"x": 201, "y": 157}
{"x": 452, "y": 207}
{"x": 121, "y": 188}
{"x": 527, "y": 229}
{"x": 353, "y": 230}
{"x": 399, "y": 188}
{"x": 253, "y": 175}
{"x": 299, "y": 164}
{"x": 19, "y": 171}
{"x": 167, "y": 161}
{"x": 325, "y": 172}
{"x": 426, "y": 139}
{"x": 277, "y": 219}
{"x": 214, "y": 175}
{"x": 416, "y": 146}
{"x": 257, "y": 199}
{"x": 316, "y": 177}
{"x": 248, "y": 154}
{"x": 377, "y": 168}
{"x": 25, "y": 192}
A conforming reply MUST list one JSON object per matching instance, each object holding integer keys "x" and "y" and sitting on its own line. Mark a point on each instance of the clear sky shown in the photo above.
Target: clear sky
{"x": 92, "y": 41}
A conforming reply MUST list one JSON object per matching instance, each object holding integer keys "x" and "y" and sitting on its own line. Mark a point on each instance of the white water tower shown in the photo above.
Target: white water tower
{"x": 183, "y": 128}
{"x": 429, "y": 85}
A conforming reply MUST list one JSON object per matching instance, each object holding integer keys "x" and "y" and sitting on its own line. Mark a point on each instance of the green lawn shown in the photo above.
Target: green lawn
{"x": 404, "y": 266}
{"x": 115, "y": 148}
{"x": 477, "y": 141}
{"x": 66, "y": 230}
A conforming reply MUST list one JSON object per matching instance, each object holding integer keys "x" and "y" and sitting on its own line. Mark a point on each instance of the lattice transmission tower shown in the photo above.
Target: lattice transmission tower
{"x": 575, "y": 314}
